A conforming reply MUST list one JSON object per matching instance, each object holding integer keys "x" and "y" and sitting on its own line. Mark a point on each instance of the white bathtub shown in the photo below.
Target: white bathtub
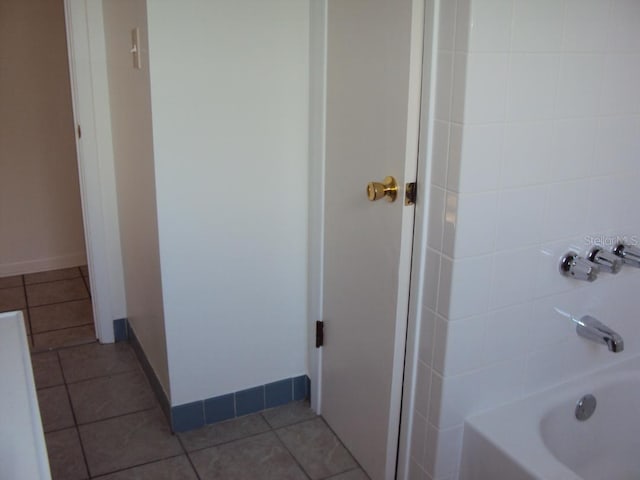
{"x": 23, "y": 453}
{"x": 540, "y": 438}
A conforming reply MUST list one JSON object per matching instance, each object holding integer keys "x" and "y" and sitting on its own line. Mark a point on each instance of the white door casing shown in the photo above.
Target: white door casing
{"x": 90, "y": 95}
{"x": 374, "y": 65}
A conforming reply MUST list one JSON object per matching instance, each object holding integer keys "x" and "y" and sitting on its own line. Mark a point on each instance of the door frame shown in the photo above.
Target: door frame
{"x": 91, "y": 112}
{"x": 422, "y": 108}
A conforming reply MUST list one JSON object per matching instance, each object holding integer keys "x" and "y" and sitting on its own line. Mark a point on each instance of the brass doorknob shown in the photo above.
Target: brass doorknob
{"x": 387, "y": 189}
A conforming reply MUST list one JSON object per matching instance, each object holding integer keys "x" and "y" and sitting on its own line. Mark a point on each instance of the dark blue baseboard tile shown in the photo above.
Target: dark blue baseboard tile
{"x": 225, "y": 407}
{"x": 150, "y": 373}
{"x": 121, "y": 330}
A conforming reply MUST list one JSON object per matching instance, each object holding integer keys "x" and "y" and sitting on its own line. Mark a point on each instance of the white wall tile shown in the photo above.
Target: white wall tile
{"x": 447, "y": 25}
{"x": 565, "y": 213}
{"x": 436, "y": 218}
{"x": 579, "y": 85}
{"x": 459, "y": 85}
{"x": 475, "y": 158}
{"x": 463, "y": 19}
{"x": 621, "y": 76}
{"x": 440, "y": 153}
{"x": 490, "y": 26}
{"x": 572, "y": 149}
{"x": 545, "y": 367}
{"x": 458, "y": 346}
{"x": 583, "y": 25}
{"x": 470, "y": 224}
{"x": 527, "y": 154}
{"x": 464, "y": 395}
{"x": 423, "y": 389}
{"x": 533, "y": 80}
{"x": 444, "y": 85}
{"x": 432, "y": 279}
{"x": 505, "y": 333}
{"x": 514, "y": 277}
{"x": 484, "y": 99}
{"x": 520, "y": 217}
{"x": 624, "y": 34}
{"x": 427, "y": 336}
{"x": 443, "y": 449}
{"x": 537, "y": 25}
{"x": 470, "y": 287}
{"x": 617, "y": 146}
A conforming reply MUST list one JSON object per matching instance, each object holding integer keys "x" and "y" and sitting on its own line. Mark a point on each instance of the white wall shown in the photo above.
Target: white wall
{"x": 40, "y": 210}
{"x": 229, "y": 89}
{"x": 130, "y": 105}
{"x": 537, "y": 137}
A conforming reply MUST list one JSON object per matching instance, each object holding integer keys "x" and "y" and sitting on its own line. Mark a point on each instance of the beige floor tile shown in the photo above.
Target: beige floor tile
{"x": 84, "y": 270}
{"x": 56, "y": 292}
{"x": 55, "y": 410}
{"x": 176, "y": 468}
{"x": 64, "y": 338}
{"x": 65, "y": 455}
{"x": 316, "y": 448}
{"x": 261, "y": 456}
{"x": 51, "y": 275}
{"x": 352, "y": 475}
{"x": 127, "y": 441}
{"x": 7, "y": 282}
{"x": 289, "y": 414}
{"x": 106, "y": 397}
{"x": 61, "y": 315}
{"x": 46, "y": 369}
{"x": 12, "y": 299}
{"x": 223, "y": 432}
{"x": 95, "y": 360}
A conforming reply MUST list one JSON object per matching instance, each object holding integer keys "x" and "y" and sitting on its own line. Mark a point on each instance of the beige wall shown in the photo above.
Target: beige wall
{"x": 134, "y": 166}
{"x": 40, "y": 210}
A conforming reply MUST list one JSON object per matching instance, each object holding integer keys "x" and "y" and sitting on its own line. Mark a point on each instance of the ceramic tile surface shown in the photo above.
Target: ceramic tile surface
{"x": 294, "y": 412}
{"x": 56, "y": 292}
{"x": 127, "y": 441}
{"x": 317, "y": 448}
{"x": 61, "y": 315}
{"x": 262, "y": 456}
{"x": 65, "y": 455}
{"x": 52, "y": 275}
{"x": 111, "y": 396}
{"x": 55, "y": 409}
{"x": 95, "y": 360}
{"x": 223, "y": 432}
{"x": 176, "y": 468}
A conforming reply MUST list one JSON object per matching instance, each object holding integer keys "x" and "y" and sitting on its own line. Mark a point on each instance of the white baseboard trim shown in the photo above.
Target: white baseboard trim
{"x": 43, "y": 264}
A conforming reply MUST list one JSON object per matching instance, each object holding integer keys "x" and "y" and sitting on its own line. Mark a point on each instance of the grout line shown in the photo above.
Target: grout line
{"x": 26, "y": 308}
{"x": 58, "y": 303}
{"x": 60, "y": 329}
{"x": 73, "y": 414}
{"x": 186, "y": 453}
{"x": 304, "y": 471}
{"x": 93, "y": 422}
{"x": 108, "y": 474}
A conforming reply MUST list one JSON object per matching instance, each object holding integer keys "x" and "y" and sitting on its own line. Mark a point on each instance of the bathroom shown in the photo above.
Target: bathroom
{"x": 529, "y": 135}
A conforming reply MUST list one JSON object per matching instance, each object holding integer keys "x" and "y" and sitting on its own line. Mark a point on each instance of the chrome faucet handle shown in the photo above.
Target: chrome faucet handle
{"x": 607, "y": 261}
{"x": 579, "y": 268}
{"x": 629, "y": 254}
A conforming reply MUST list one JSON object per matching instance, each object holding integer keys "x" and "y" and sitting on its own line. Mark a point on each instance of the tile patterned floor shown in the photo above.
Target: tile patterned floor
{"x": 56, "y": 306}
{"x": 102, "y": 420}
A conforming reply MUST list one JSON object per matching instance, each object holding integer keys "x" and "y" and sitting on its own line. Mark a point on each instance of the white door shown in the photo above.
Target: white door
{"x": 374, "y": 63}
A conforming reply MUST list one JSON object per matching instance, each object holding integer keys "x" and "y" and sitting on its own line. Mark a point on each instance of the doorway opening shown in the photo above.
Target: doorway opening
{"x": 43, "y": 261}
